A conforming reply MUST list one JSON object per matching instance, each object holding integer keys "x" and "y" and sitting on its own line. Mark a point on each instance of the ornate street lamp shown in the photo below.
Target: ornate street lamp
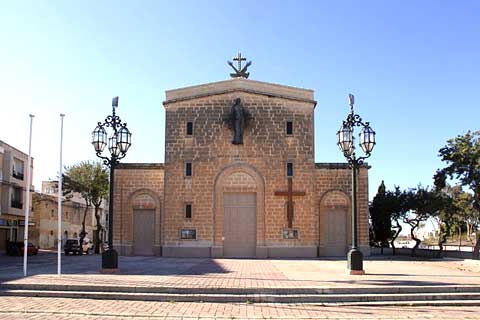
{"x": 346, "y": 143}
{"x": 118, "y": 145}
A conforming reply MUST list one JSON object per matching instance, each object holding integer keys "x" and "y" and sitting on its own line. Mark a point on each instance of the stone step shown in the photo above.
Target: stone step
{"x": 253, "y": 298}
{"x": 424, "y": 303}
{"x": 240, "y": 291}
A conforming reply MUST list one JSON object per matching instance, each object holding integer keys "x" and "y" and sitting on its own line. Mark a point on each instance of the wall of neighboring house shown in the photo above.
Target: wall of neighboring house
{"x": 13, "y": 186}
{"x": 46, "y": 213}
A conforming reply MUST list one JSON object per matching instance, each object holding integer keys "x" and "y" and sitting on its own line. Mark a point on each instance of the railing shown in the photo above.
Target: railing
{"x": 17, "y": 204}
{"x": 17, "y": 175}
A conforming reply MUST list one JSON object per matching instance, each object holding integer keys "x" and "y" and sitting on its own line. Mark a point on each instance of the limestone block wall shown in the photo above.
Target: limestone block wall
{"x": 137, "y": 186}
{"x": 334, "y": 187}
{"x": 217, "y": 163}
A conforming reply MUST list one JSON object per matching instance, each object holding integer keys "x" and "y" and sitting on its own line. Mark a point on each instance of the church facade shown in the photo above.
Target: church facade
{"x": 239, "y": 180}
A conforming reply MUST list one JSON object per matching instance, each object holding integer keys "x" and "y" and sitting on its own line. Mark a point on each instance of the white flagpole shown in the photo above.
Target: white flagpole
{"x": 60, "y": 181}
{"x": 27, "y": 200}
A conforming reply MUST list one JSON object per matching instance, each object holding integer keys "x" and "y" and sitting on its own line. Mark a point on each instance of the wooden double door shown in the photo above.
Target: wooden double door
{"x": 240, "y": 233}
{"x": 143, "y": 232}
{"x": 334, "y": 226}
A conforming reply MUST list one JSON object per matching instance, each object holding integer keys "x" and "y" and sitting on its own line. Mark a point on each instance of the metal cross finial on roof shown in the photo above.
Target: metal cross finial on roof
{"x": 239, "y": 58}
{"x": 239, "y": 72}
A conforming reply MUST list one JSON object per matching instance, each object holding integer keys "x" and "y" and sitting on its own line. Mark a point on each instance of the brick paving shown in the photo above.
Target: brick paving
{"x": 231, "y": 273}
{"x": 63, "y": 308}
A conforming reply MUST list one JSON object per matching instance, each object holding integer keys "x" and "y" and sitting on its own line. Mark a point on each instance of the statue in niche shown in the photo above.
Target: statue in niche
{"x": 238, "y": 120}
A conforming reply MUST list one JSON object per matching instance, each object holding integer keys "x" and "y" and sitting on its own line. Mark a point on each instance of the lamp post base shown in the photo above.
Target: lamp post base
{"x": 110, "y": 260}
{"x": 355, "y": 262}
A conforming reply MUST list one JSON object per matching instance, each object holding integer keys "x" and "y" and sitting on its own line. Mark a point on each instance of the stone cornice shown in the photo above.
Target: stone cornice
{"x": 140, "y": 166}
{"x": 239, "y": 85}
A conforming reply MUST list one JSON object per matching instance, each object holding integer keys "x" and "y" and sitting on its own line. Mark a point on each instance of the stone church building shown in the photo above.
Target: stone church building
{"x": 239, "y": 180}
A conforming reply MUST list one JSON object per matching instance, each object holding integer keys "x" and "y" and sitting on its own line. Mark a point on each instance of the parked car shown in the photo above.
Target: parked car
{"x": 72, "y": 246}
{"x": 16, "y": 249}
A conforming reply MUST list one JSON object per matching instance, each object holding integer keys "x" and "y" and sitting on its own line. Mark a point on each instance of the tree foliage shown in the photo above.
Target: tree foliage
{"x": 380, "y": 215}
{"x": 456, "y": 207}
{"x": 399, "y": 210}
{"x": 91, "y": 181}
{"x": 422, "y": 204}
{"x": 462, "y": 157}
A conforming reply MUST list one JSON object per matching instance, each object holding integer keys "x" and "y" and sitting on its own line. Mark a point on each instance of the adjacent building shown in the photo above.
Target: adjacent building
{"x": 13, "y": 186}
{"x": 45, "y": 209}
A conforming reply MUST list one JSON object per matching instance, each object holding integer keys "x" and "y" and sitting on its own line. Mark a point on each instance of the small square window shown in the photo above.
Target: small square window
{"x": 289, "y": 169}
{"x": 188, "y": 169}
{"x": 289, "y": 127}
{"x": 189, "y": 128}
{"x": 188, "y": 234}
{"x": 188, "y": 211}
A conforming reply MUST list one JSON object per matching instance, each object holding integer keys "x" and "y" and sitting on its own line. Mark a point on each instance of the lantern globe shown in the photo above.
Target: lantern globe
{"x": 367, "y": 139}
{"x": 345, "y": 139}
{"x": 124, "y": 139}
{"x": 113, "y": 146}
{"x": 99, "y": 139}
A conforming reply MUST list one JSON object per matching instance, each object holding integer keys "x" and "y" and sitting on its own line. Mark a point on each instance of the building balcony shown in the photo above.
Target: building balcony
{"x": 17, "y": 175}
{"x": 17, "y": 204}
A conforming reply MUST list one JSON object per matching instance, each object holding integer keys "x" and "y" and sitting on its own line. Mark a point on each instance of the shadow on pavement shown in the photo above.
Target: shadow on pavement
{"x": 45, "y": 263}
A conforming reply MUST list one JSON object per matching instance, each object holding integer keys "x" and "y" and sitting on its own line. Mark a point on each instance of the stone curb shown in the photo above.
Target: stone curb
{"x": 252, "y": 298}
{"x": 236, "y": 290}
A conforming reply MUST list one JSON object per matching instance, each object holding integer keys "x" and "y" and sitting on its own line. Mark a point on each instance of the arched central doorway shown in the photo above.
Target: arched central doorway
{"x": 240, "y": 225}
{"x": 239, "y": 218}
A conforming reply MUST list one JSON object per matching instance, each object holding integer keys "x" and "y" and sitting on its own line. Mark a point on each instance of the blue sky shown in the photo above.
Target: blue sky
{"x": 412, "y": 65}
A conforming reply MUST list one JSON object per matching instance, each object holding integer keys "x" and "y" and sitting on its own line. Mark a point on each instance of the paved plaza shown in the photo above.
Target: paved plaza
{"x": 229, "y": 274}
{"x": 381, "y": 271}
{"x": 41, "y": 308}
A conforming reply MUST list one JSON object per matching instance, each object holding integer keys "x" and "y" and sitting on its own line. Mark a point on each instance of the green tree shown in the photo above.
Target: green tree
{"x": 397, "y": 200}
{"x": 462, "y": 156}
{"x": 91, "y": 181}
{"x": 446, "y": 215}
{"x": 380, "y": 215}
{"x": 422, "y": 204}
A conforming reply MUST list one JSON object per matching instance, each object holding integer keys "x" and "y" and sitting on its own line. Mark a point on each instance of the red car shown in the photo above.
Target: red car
{"x": 16, "y": 249}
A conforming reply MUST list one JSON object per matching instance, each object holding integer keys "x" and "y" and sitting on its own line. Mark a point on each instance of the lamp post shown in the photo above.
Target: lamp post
{"x": 346, "y": 143}
{"x": 118, "y": 144}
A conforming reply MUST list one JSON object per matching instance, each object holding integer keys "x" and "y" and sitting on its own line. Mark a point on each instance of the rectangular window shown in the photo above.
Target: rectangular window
{"x": 289, "y": 128}
{"x": 188, "y": 211}
{"x": 189, "y": 128}
{"x": 289, "y": 169}
{"x": 17, "y": 170}
{"x": 17, "y": 201}
{"x": 188, "y": 169}
{"x": 188, "y": 234}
